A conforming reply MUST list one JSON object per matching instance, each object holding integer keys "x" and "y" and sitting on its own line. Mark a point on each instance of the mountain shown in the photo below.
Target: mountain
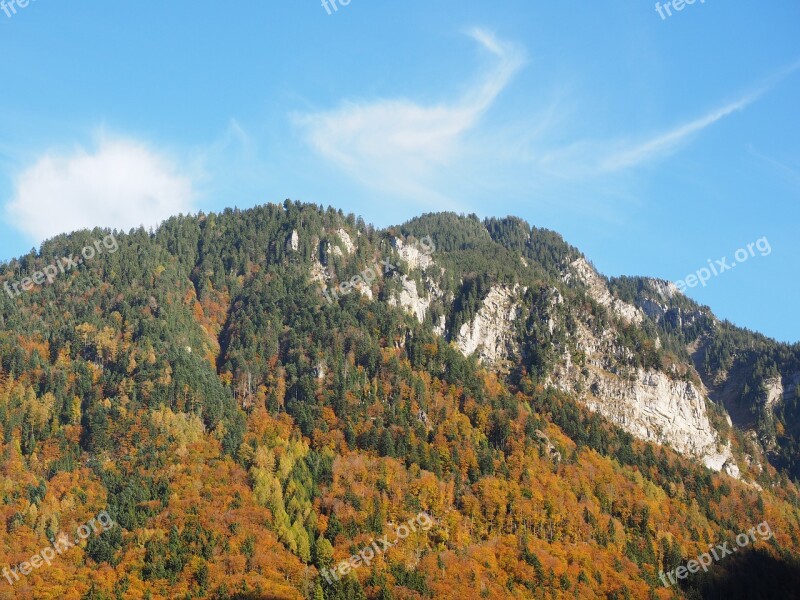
{"x": 254, "y": 397}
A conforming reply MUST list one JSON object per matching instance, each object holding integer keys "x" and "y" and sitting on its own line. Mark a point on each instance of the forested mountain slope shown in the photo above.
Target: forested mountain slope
{"x": 248, "y": 432}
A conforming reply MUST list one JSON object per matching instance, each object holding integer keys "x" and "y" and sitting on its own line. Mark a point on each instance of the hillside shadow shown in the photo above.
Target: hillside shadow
{"x": 755, "y": 575}
{"x": 728, "y": 393}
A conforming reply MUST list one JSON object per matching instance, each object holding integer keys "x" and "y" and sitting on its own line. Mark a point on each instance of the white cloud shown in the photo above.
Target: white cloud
{"x": 402, "y": 147}
{"x": 430, "y": 154}
{"x": 666, "y": 143}
{"x": 122, "y": 184}
{"x": 590, "y": 158}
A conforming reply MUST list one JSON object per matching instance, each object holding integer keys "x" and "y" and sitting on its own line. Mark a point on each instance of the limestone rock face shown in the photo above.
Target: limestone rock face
{"x": 349, "y": 246}
{"x": 490, "y": 333}
{"x": 781, "y": 389}
{"x": 652, "y": 405}
{"x": 294, "y": 241}
{"x": 665, "y": 289}
{"x": 655, "y": 408}
{"x": 440, "y": 328}
{"x": 654, "y": 309}
{"x": 774, "y": 390}
{"x": 412, "y": 255}
{"x": 365, "y": 290}
{"x": 646, "y": 403}
{"x": 550, "y": 449}
{"x": 319, "y": 272}
{"x": 599, "y": 291}
{"x": 410, "y": 299}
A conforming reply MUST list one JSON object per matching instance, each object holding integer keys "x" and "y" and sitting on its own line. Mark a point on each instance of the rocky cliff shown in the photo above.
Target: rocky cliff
{"x": 654, "y": 405}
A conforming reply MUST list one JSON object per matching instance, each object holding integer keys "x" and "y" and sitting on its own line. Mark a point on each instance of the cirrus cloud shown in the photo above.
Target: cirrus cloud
{"x": 403, "y": 147}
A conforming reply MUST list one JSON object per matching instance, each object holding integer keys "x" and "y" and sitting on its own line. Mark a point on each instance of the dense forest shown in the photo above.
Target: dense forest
{"x": 244, "y": 433}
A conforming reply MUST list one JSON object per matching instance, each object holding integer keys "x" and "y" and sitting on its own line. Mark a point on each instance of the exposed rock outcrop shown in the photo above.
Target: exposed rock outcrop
{"x": 773, "y": 387}
{"x": 293, "y": 242}
{"x": 655, "y": 408}
{"x": 349, "y": 246}
{"x": 319, "y": 273}
{"x": 440, "y": 328}
{"x": 410, "y": 299}
{"x": 665, "y": 289}
{"x": 648, "y": 403}
{"x": 412, "y": 255}
{"x": 599, "y": 291}
{"x": 645, "y": 402}
{"x": 490, "y": 334}
{"x": 551, "y": 451}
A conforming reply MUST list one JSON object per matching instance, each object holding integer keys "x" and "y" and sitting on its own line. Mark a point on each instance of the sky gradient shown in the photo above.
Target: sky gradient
{"x": 654, "y": 145}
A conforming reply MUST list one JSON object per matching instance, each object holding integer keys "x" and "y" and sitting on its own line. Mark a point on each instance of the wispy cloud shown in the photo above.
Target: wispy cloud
{"x": 400, "y": 146}
{"x": 122, "y": 183}
{"x": 597, "y": 157}
{"x": 790, "y": 174}
{"x": 434, "y": 153}
{"x": 666, "y": 143}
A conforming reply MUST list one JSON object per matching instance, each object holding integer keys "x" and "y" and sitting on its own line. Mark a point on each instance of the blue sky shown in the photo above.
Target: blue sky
{"x": 653, "y": 144}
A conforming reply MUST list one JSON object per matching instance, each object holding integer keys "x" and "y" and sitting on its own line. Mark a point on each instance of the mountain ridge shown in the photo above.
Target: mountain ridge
{"x": 199, "y": 385}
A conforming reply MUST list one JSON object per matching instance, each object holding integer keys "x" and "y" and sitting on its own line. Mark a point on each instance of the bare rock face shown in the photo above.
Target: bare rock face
{"x": 320, "y": 370}
{"x": 550, "y": 449}
{"x": 440, "y": 328}
{"x": 646, "y": 403}
{"x": 599, "y": 291}
{"x": 320, "y": 274}
{"x": 490, "y": 333}
{"x": 777, "y": 391}
{"x": 781, "y": 389}
{"x": 293, "y": 242}
{"x": 412, "y": 255}
{"x": 774, "y": 390}
{"x": 649, "y": 404}
{"x": 654, "y": 309}
{"x": 410, "y": 299}
{"x": 665, "y": 289}
{"x": 655, "y": 408}
{"x": 349, "y": 246}
{"x": 365, "y": 290}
